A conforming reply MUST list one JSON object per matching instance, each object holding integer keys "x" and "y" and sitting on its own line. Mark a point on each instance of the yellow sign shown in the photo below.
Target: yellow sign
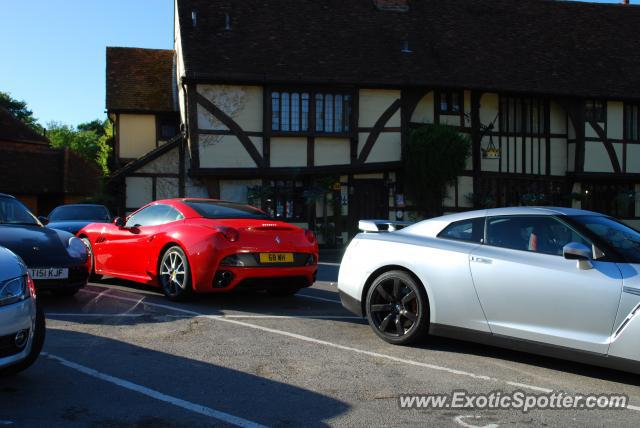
{"x": 276, "y": 257}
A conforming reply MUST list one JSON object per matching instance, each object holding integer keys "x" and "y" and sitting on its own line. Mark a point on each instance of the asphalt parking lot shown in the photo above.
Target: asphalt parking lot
{"x": 118, "y": 354}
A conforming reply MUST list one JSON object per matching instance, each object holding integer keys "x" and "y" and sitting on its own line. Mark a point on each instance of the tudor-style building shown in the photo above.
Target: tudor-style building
{"x": 304, "y": 108}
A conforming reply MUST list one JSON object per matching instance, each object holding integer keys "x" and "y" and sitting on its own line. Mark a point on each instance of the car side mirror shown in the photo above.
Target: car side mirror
{"x": 579, "y": 252}
{"x": 43, "y": 219}
{"x": 119, "y": 221}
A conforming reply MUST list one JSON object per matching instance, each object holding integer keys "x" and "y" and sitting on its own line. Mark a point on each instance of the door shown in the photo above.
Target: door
{"x": 369, "y": 201}
{"x": 529, "y": 291}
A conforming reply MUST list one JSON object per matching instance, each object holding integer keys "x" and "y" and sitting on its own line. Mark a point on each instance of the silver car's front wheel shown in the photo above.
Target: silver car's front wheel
{"x": 397, "y": 308}
{"x": 174, "y": 274}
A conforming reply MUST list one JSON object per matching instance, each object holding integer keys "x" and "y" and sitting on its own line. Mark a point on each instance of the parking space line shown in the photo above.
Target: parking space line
{"x": 351, "y": 349}
{"x": 82, "y": 314}
{"x": 328, "y": 317}
{"x": 187, "y": 405}
{"x": 322, "y": 299}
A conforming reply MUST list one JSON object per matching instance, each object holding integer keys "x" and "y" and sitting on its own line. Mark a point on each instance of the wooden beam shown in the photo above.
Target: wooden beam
{"x": 377, "y": 129}
{"x": 613, "y": 157}
{"x": 233, "y": 126}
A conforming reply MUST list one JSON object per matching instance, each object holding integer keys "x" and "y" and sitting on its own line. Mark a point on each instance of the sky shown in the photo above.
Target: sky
{"x": 53, "y": 51}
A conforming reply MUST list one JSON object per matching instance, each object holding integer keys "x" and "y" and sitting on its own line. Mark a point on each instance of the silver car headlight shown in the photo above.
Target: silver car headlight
{"x": 13, "y": 290}
{"x": 77, "y": 249}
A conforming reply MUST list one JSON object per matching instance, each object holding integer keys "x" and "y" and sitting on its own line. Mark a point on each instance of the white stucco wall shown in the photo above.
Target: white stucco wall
{"x": 137, "y": 134}
{"x": 139, "y": 191}
{"x": 288, "y": 151}
{"x": 332, "y": 151}
{"x": 373, "y": 103}
{"x": 225, "y": 151}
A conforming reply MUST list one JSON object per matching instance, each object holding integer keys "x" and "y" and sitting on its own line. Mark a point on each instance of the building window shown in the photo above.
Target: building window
{"x": 614, "y": 199}
{"x": 449, "y": 102}
{"x": 290, "y": 111}
{"x": 167, "y": 127}
{"x": 284, "y": 200}
{"x": 594, "y": 111}
{"x": 333, "y": 113}
{"x": 632, "y": 122}
{"x": 523, "y": 115}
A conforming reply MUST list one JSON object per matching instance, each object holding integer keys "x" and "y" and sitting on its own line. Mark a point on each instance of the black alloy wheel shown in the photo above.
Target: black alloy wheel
{"x": 397, "y": 308}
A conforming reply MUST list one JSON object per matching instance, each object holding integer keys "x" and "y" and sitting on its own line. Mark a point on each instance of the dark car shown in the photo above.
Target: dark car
{"x": 72, "y": 218}
{"x": 57, "y": 260}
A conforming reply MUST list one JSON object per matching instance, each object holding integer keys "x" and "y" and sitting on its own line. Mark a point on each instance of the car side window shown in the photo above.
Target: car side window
{"x": 540, "y": 234}
{"x": 470, "y": 230}
{"x": 152, "y": 216}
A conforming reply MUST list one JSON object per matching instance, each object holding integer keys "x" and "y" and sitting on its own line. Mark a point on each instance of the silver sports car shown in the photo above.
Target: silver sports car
{"x": 554, "y": 281}
{"x": 22, "y": 324}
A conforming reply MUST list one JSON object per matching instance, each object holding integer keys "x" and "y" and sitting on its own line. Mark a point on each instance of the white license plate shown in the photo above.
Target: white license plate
{"x": 49, "y": 273}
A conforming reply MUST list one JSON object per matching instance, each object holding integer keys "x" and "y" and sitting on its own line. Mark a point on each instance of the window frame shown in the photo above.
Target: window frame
{"x": 631, "y": 122}
{"x": 480, "y": 220}
{"x": 311, "y": 122}
{"x": 524, "y": 119}
{"x": 554, "y": 217}
{"x": 448, "y": 96}
{"x": 141, "y": 210}
{"x": 595, "y": 110}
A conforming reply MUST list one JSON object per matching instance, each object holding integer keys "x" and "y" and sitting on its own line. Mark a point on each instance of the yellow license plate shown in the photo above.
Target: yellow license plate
{"x": 276, "y": 257}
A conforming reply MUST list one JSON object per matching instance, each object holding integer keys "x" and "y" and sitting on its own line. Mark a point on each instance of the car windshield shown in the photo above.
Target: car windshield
{"x": 617, "y": 235}
{"x": 80, "y": 212}
{"x": 214, "y": 209}
{"x": 13, "y": 212}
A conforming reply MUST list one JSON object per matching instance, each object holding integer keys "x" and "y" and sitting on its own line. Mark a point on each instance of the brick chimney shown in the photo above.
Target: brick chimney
{"x": 392, "y": 5}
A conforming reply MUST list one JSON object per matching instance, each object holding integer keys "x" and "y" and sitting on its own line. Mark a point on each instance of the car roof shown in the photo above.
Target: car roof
{"x": 432, "y": 227}
{"x": 7, "y": 196}
{"x": 81, "y": 205}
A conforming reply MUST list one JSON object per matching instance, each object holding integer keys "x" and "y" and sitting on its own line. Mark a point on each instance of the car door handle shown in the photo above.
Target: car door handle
{"x": 480, "y": 260}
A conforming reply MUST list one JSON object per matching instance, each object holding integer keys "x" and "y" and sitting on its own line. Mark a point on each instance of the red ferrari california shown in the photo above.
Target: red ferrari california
{"x": 204, "y": 246}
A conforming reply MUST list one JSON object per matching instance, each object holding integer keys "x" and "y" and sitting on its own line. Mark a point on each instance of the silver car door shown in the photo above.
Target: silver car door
{"x": 529, "y": 291}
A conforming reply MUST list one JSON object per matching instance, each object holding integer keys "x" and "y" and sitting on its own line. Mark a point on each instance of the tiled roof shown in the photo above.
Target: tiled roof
{"x": 12, "y": 129}
{"x": 538, "y": 46}
{"x": 140, "y": 79}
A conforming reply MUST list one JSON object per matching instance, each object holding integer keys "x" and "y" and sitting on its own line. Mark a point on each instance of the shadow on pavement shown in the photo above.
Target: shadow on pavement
{"x": 246, "y": 395}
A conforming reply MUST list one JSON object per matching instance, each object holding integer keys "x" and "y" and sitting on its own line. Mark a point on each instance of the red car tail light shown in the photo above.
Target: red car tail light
{"x": 229, "y": 233}
{"x": 311, "y": 237}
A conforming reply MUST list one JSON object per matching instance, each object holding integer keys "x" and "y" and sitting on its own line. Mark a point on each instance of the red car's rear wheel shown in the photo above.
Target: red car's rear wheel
{"x": 175, "y": 274}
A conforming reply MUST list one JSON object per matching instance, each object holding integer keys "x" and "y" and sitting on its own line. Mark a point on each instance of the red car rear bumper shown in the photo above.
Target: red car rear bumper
{"x": 228, "y": 278}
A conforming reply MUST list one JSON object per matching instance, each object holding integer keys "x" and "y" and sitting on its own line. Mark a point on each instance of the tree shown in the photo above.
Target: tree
{"x": 20, "y": 110}
{"x": 436, "y": 156}
{"x": 88, "y": 140}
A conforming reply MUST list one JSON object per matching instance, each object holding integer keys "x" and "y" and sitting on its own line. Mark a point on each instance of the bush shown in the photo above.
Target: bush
{"x": 436, "y": 156}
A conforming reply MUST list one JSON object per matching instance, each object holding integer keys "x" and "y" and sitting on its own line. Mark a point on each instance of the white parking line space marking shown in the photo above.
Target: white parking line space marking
{"x": 322, "y": 299}
{"x": 6, "y": 422}
{"x": 344, "y": 348}
{"x": 311, "y": 317}
{"x": 187, "y": 405}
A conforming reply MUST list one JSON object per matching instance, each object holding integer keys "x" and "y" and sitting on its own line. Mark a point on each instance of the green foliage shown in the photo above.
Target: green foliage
{"x": 436, "y": 156}
{"x": 20, "y": 110}
{"x": 90, "y": 140}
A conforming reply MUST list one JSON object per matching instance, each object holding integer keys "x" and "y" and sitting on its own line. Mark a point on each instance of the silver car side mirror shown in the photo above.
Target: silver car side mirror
{"x": 579, "y": 252}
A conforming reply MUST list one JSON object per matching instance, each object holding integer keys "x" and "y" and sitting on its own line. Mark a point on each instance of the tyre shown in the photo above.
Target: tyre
{"x": 397, "y": 308}
{"x": 93, "y": 276}
{"x": 174, "y": 274}
{"x": 65, "y": 292}
{"x": 283, "y": 291}
{"x": 36, "y": 347}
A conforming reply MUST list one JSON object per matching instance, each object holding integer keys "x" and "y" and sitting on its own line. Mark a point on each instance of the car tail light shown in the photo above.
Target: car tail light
{"x": 311, "y": 237}
{"x": 229, "y": 233}
{"x": 31, "y": 285}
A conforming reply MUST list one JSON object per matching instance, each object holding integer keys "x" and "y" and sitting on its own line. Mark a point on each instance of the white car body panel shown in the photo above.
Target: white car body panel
{"x": 530, "y": 298}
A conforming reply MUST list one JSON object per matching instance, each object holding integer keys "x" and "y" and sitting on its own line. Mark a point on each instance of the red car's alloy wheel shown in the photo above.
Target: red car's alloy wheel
{"x": 174, "y": 274}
